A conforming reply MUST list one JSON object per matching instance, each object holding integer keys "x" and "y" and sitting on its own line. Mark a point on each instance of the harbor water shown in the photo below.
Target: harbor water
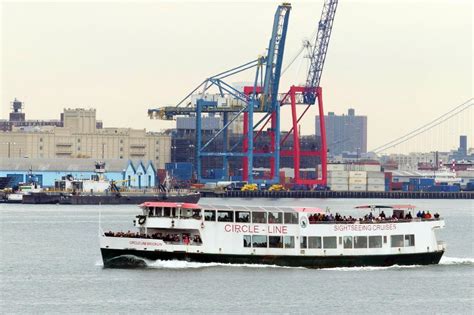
{"x": 50, "y": 263}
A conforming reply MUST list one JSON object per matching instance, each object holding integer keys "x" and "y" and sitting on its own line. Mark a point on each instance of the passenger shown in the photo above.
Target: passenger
{"x": 428, "y": 215}
{"x": 423, "y": 214}
{"x": 408, "y": 216}
{"x": 418, "y": 215}
{"x": 436, "y": 215}
{"x": 382, "y": 214}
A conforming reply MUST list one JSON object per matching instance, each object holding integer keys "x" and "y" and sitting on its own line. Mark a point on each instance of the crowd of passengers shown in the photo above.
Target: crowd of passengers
{"x": 322, "y": 217}
{"x": 171, "y": 238}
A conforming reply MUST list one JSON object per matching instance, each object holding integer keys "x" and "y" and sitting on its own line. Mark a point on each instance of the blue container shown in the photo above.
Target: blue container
{"x": 426, "y": 181}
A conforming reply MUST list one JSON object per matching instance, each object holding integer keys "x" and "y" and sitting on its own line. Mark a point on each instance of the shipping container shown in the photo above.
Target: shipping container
{"x": 376, "y": 187}
{"x": 335, "y": 167}
{"x": 356, "y": 187}
{"x": 338, "y": 180}
{"x": 338, "y": 174}
{"x": 358, "y": 174}
{"x": 339, "y": 187}
{"x": 358, "y": 180}
{"x": 376, "y": 181}
{"x": 375, "y": 175}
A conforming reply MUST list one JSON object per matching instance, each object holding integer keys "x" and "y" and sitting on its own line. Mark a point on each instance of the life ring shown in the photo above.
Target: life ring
{"x": 141, "y": 220}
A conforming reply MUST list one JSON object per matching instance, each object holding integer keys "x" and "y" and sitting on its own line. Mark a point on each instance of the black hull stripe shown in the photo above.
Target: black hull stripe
{"x": 112, "y": 258}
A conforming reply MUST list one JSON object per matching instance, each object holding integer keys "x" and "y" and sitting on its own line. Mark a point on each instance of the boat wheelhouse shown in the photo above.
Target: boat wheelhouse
{"x": 285, "y": 236}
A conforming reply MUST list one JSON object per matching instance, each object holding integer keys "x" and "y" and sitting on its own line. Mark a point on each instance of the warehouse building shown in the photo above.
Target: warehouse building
{"x": 130, "y": 173}
{"x": 81, "y": 136}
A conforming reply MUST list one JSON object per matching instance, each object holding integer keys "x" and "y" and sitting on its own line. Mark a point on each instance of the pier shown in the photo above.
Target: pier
{"x": 342, "y": 194}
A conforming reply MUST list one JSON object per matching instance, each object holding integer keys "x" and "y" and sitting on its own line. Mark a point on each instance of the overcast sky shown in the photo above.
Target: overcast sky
{"x": 401, "y": 63}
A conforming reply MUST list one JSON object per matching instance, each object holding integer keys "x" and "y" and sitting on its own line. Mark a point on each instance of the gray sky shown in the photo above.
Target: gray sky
{"x": 401, "y": 63}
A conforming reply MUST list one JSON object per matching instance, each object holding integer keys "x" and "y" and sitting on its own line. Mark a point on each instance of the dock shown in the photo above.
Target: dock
{"x": 342, "y": 194}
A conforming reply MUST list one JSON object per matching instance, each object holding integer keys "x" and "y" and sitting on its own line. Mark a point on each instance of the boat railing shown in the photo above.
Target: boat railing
{"x": 374, "y": 221}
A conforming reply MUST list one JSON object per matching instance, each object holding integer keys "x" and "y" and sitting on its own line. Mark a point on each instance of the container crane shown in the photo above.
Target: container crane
{"x": 261, "y": 98}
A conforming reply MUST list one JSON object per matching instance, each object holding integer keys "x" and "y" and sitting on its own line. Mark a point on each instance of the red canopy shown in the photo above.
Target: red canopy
{"x": 311, "y": 210}
{"x": 169, "y": 205}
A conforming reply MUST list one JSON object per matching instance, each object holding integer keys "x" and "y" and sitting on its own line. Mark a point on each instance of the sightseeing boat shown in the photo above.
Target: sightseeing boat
{"x": 283, "y": 236}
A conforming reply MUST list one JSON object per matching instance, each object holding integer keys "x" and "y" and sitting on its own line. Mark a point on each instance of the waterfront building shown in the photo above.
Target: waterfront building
{"x": 81, "y": 136}
{"x": 345, "y": 133}
{"x": 130, "y": 173}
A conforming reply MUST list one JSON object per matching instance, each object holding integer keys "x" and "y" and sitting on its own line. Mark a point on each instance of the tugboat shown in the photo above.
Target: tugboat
{"x": 282, "y": 236}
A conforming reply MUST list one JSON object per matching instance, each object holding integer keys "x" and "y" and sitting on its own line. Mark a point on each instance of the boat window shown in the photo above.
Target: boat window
{"x": 291, "y": 218}
{"x": 242, "y": 216}
{"x": 259, "y": 240}
{"x": 275, "y": 241}
{"x": 396, "y": 240}
{"x": 303, "y": 242}
{"x": 247, "y": 241}
{"x": 360, "y": 241}
{"x": 385, "y": 239}
{"x": 173, "y": 212}
{"x": 259, "y": 217}
{"x": 185, "y": 213}
{"x": 314, "y": 242}
{"x": 159, "y": 212}
{"x": 225, "y": 216}
{"x": 375, "y": 241}
{"x": 275, "y": 217}
{"x": 167, "y": 212}
{"x": 196, "y": 214}
{"x": 210, "y": 215}
{"x": 329, "y": 242}
{"x": 409, "y": 240}
{"x": 347, "y": 241}
{"x": 289, "y": 241}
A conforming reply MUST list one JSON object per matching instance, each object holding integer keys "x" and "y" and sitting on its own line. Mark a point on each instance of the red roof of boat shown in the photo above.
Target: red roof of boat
{"x": 312, "y": 210}
{"x": 170, "y": 204}
{"x": 386, "y": 206}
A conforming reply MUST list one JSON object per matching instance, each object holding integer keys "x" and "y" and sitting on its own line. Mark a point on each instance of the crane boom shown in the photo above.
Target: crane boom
{"x": 319, "y": 50}
{"x": 276, "y": 48}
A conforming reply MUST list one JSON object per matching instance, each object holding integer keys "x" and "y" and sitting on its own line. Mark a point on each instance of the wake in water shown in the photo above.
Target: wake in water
{"x": 456, "y": 261}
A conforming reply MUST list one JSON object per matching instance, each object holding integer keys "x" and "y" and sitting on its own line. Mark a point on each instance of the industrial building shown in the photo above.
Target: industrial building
{"x": 344, "y": 133}
{"x": 135, "y": 174}
{"x": 80, "y": 135}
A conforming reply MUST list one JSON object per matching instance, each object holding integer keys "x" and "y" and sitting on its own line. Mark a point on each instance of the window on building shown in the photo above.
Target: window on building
{"x": 275, "y": 217}
{"x": 242, "y": 216}
{"x": 225, "y": 216}
{"x": 247, "y": 241}
{"x": 41, "y": 147}
{"x": 121, "y": 156}
{"x": 209, "y": 215}
{"x": 347, "y": 240}
{"x": 360, "y": 241}
{"x": 259, "y": 240}
{"x": 275, "y": 241}
{"x": 291, "y": 218}
{"x": 303, "y": 242}
{"x": 409, "y": 240}
{"x": 41, "y": 139}
{"x": 289, "y": 241}
{"x": 314, "y": 242}
{"x": 121, "y": 149}
{"x": 329, "y": 242}
{"x": 121, "y": 140}
{"x": 78, "y": 140}
{"x": 259, "y": 217}
{"x": 78, "y": 148}
{"x": 375, "y": 241}
{"x": 396, "y": 240}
